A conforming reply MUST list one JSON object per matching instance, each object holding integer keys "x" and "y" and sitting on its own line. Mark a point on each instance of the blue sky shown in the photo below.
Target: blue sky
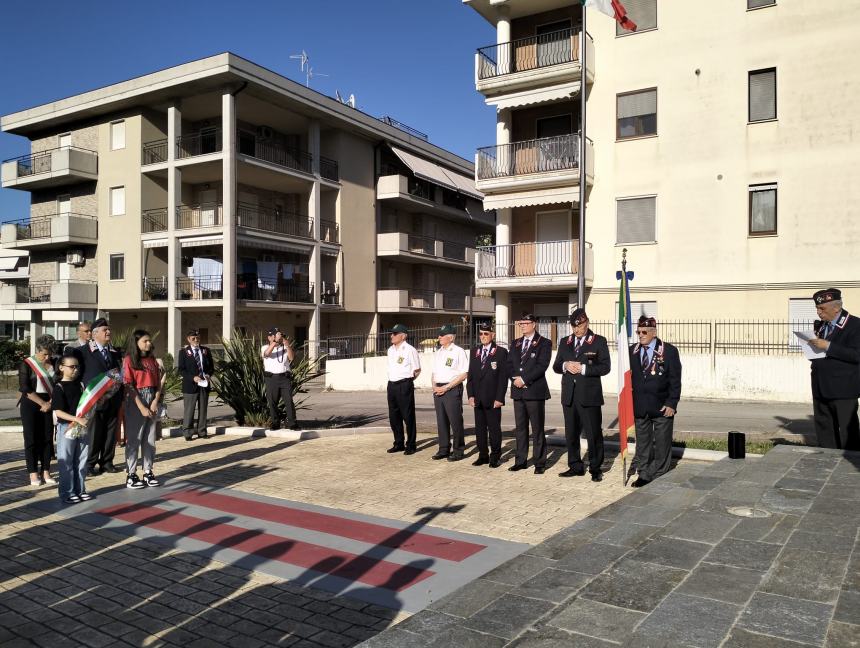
{"x": 411, "y": 60}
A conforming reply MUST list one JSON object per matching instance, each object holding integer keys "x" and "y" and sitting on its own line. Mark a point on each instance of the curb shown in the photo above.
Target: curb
{"x": 686, "y": 453}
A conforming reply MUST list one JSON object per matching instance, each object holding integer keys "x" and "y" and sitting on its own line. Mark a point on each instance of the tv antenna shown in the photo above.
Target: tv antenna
{"x": 310, "y": 74}
{"x": 305, "y": 66}
{"x": 347, "y": 102}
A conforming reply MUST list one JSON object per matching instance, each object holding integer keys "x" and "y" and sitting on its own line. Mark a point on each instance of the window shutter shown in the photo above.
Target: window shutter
{"x": 762, "y": 95}
{"x": 641, "y": 12}
{"x": 636, "y": 220}
{"x": 637, "y": 104}
{"x": 117, "y": 201}
{"x": 755, "y": 4}
{"x": 117, "y": 135}
{"x": 801, "y": 310}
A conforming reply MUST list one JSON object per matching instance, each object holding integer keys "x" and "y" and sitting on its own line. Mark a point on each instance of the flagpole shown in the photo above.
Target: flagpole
{"x": 580, "y": 274}
{"x": 624, "y": 478}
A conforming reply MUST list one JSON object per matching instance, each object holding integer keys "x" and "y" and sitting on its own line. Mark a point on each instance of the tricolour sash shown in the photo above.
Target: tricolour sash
{"x": 41, "y": 375}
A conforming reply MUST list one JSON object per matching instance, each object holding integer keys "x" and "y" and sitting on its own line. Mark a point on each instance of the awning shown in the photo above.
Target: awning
{"x": 327, "y": 251}
{"x": 154, "y": 243}
{"x": 9, "y": 262}
{"x": 272, "y": 244}
{"x": 200, "y": 241}
{"x": 529, "y": 198}
{"x": 434, "y": 173}
{"x": 529, "y": 97}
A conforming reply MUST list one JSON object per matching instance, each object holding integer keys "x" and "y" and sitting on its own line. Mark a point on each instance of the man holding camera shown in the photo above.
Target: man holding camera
{"x": 277, "y": 356}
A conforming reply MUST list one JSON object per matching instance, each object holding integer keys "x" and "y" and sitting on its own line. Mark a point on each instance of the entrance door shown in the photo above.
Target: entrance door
{"x": 208, "y": 208}
{"x": 555, "y": 145}
{"x": 554, "y": 248}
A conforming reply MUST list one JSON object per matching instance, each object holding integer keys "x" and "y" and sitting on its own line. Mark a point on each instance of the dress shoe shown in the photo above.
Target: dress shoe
{"x": 395, "y": 448}
{"x": 110, "y": 468}
{"x": 295, "y": 427}
{"x": 481, "y": 461}
{"x": 188, "y": 437}
{"x": 631, "y": 471}
{"x": 440, "y": 455}
{"x": 494, "y": 463}
{"x": 409, "y": 451}
{"x": 203, "y": 435}
{"x": 517, "y": 467}
{"x": 597, "y": 476}
{"x": 92, "y": 472}
{"x": 539, "y": 470}
{"x": 455, "y": 456}
{"x": 639, "y": 483}
{"x": 572, "y": 472}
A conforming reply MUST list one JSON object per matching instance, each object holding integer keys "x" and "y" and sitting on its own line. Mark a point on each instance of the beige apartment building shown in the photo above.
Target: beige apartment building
{"x": 721, "y": 153}
{"x": 220, "y": 195}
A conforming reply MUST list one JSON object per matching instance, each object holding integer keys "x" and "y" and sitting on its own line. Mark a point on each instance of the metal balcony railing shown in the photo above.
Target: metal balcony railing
{"x": 203, "y": 215}
{"x": 39, "y": 292}
{"x": 329, "y": 231}
{"x": 200, "y": 143}
{"x": 35, "y": 163}
{"x": 284, "y": 156}
{"x": 153, "y": 220}
{"x": 531, "y": 156}
{"x": 330, "y": 293}
{"x": 528, "y": 53}
{"x": 268, "y": 220}
{"x": 454, "y": 251}
{"x": 421, "y": 298}
{"x": 273, "y": 289}
{"x": 537, "y": 259}
{"x": 37, "y": 227}
{"x": 154, "y": 288}
{"x": 329, "y": 169}
{"x": 202, "y": 287}
{"x": 421, "y": 244}
{"x": 154, "y": 152}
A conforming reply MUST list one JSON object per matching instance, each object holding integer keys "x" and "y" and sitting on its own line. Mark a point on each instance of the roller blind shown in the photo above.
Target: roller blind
{"x": 636, "y": 220}
{"x": 762, "y": 95}
{"x": 641, "y": 12}
{"x": 637, "y": 104}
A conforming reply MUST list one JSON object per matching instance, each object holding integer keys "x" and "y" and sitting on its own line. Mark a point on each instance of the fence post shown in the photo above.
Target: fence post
{"x": 713, "y": 328}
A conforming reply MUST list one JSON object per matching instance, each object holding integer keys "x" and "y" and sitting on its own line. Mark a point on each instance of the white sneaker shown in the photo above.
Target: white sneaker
{"x": 72, "y": 499}
{"x": 50, "y": 481}
{"x": 133, "y": 481}
{"x": 85, "y": 497}
{"x": 150, "y": 479}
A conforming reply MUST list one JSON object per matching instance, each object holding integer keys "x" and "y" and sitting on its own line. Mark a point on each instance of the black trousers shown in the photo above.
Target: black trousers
{"x": 579, "y": 420}
{"x": 401, "y": 408}
{"x": 104, "y": 424}
{"x": 836, "y": 423}
{"x": 38, "y": 436}
{"x": 530, "y": 412}
{"x": 279, "y": 387}
{"x": 196, "y": 403}
{"x": 488, "y": 419}
{"x": 449, "y": 419}
{"x": 653, "y": 446}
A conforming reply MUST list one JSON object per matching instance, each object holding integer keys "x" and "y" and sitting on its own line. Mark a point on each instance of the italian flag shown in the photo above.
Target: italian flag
{"x": 613, "y": 9}
{"x": 98, "y": 387}
{"x": 625, "y": 384}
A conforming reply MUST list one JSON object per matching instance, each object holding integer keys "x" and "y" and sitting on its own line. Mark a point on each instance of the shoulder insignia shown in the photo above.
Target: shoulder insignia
{"x": 569, "y": 339}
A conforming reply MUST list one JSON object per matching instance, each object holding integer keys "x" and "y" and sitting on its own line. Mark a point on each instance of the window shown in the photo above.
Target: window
{"x": 641, "y": 12}
{"x": 637, "y": 114}
{"x": 64, "y": 140}
{"x": 117, "y": 135}
{"x": 762, "y": 220}
{"x": 757, "y": 4}
{"x": 64, "y": 204}
{"x": 762, "y": 95}
{"x": 117, "y": 267}
{"x": 117, "y": 201}
{"x": 636, "y": 220}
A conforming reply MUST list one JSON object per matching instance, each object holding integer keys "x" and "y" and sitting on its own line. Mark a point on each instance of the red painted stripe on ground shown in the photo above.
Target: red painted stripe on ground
{"x": 362, "y": 569}
{"x": 377, "y": 534}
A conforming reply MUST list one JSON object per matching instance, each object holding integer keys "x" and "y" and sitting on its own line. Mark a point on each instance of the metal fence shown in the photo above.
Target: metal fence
{"x": 529, "y": 156}
{"x": 528, "y": 53}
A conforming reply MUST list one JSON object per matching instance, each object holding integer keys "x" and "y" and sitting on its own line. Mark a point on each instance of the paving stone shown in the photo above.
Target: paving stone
{"x": 397, "y": 638}
{"x": 592, "y": 558}
{"x": 744, "y": 553}
{"x": 787, "y": 618}
{"x": 333, "y": 639}
{"x": 518, "y": 570}
{"x": 626, "y": 534}
{"x": 651, "y": 515}
{"x": 800, "y": 483}
{"x": 549, "y": 637}
{"x": 831, "y": 544}
{"x": 560, "y": 544}
{"x": 687, "y": 620}
{"x": 740, "y": 638}
{"x": 701, "y": 526}
{"x": 634, "y": 585}
{"x": 722, "y": 583}
{"x": 810, "y": 575}
{"x": 428, "y": 622}
{"x": 848, "y": 607}
{"x": 466, "y": 638}
{"x": 470, "y": 598}
{"x": 552, "y": 585}
{"x": 508, "y": 616}
{"x": 672, "y": 552}
{"x": 842, "y": 635}
{"x": 598, "y": 619}
{"x": 829, "y": 524}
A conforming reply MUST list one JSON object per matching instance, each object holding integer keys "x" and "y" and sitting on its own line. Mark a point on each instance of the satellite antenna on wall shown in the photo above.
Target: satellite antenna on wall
{"x": 347, "y": 102}
{"x": 351, "y": 100}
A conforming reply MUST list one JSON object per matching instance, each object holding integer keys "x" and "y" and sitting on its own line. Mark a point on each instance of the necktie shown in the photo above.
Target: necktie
{"x": 578, "y": 346}
{"x": 483, "y": 356}
{"x": 198, "y": 360}
{"x": 526, "y": 345}
{"x": 825, "y": 330}
{"x": 645, "y": 362}
{"x": 106, "y": 356}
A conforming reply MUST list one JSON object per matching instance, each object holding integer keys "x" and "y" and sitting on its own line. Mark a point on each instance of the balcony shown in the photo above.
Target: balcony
{"x": 194, "y": 216}
{"x": 51, "y": 295}
{"x": 413, "y": 248}
{"x": 273, "y": 289}
{"x": 329, "y": 231}
{"x": 419, "y": 196}
{"x": 530, "y": 70}
{"x": 153, "y": 220}
{"x": 202, "y": 288}
{"x": 154, "y": 289}
{"x": 535, "y": 265}
{"x": 154, "y": 152}
{"x": 330, "y": 294}
{"x": 203, "y": 142}
{"x": 53, "y": 168}
{"x": 281, "y": 156}
{"x": 329, "y": 169}
{"x": 276, "y": 221}
{"x": 46, "y": 232}
{"x": 405, "y": 300}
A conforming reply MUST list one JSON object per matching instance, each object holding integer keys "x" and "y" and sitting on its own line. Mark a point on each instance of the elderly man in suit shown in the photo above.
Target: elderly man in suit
{"x": 96, "y": 358}
{"x": 196, "y": 366}
{"x": 486, "y": 387}
{"x": 836, "y": 376}
{"x": 528, "y": 361}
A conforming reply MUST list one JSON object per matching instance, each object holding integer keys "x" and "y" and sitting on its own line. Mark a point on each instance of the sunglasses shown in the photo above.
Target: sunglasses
{"x": 483, "y": 333}
{"x": 68, "y": 366}
{"x": 642, "y": 332}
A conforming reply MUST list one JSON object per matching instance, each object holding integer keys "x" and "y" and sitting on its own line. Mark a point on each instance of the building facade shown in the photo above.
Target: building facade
{"x": 219, "y": 195}
{"x": 722, "y": 158}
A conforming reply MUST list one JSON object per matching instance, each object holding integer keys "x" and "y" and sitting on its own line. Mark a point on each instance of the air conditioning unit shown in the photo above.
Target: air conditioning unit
{"x": 75, "y": 257}
{"x": 265, "y": 132}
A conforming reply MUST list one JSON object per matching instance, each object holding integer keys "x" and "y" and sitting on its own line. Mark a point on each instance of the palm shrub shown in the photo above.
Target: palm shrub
{"x": 240, "y": 383}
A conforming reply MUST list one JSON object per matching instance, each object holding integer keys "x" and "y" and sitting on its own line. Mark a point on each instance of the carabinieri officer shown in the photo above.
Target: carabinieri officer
{"x": 486, "y": 387}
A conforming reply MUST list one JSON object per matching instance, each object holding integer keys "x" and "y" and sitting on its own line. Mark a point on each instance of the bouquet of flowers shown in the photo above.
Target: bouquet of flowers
{"x": 95, "y": 393}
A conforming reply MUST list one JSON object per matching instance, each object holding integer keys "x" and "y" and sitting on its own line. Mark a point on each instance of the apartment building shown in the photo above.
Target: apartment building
{"x": 719, "y": 152}
{"x": 218, "y": 195}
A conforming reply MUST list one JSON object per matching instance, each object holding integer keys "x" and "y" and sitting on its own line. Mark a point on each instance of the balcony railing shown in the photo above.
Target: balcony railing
{"x": 330, "y": 293}
{"x": 153, "y": 220}
{"x": 329, "y": 231}
{"x": 268, "y": 220}
{"x": 203, "y": 215}
{"x": 154, "y": 152}
{"x": 200, "y": 143}
{"x": 531, "y": 156}
{"x": 41, "y": 226}
{"x": 454, "y": 251}
{"x": 202, "y": 287}
{"x": 284, "y": 156}
{"x": 421, "y": 244}
{"x": 66, "y": 290}
{"x": 154, "y": 289}
{"x": 329, "y": 169}
{"x": 422, "y": 298}
{"x": 273, "y": 289}
{"x": 41, "y": 162}
{"x": 454, "y": 301}
{"x": 528, "y": 53}
{"x": 537, "y": 259}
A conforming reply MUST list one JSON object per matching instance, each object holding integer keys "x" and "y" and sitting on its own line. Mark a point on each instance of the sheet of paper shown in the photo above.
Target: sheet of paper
{"x": 808, "y": 351}
{"x": 203, "y": 383}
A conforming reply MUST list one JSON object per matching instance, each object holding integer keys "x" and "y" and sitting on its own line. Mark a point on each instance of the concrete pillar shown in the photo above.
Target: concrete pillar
{"x": 504, "y": 156}
{"x": 36, "y": 329}
{"x": 228, "y": 177}
{"x": 314, "y": 211}
{"x": 503, "y": 39}
{"x": 504, "y": 325}
{"x": 504, "y": 254}
{"x": 174, "y": 199}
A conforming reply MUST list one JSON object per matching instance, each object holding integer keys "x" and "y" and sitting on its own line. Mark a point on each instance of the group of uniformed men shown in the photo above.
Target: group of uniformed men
{"x": 489, "y": 370}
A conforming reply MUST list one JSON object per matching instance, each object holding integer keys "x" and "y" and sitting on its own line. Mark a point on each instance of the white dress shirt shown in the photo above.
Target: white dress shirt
{"x": 449, "y": 363}
{"x": 278, "y": 362}
{"x": 403, "y": 361}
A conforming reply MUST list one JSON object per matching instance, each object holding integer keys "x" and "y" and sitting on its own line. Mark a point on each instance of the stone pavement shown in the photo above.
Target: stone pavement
{"x": 738, "y": 554}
